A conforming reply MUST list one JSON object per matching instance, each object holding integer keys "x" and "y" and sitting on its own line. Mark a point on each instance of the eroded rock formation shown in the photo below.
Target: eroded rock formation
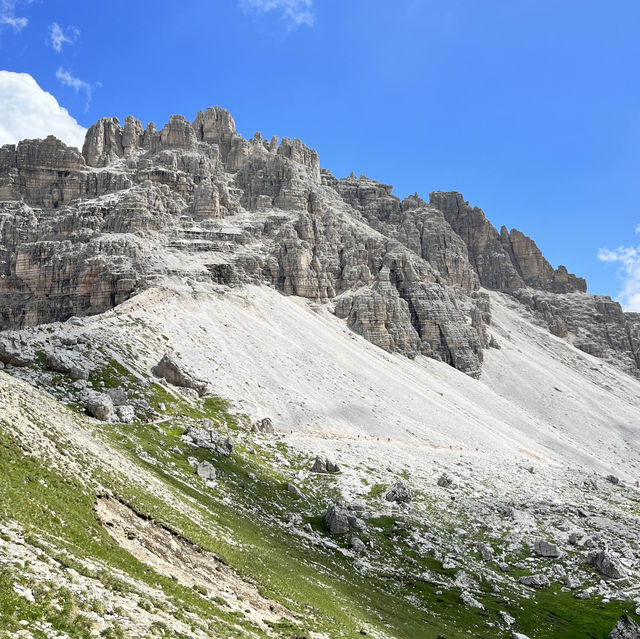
{"x": 82, "y": 232}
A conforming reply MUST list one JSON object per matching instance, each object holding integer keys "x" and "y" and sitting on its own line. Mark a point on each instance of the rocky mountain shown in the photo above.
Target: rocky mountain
{"x": 241, "y": 397}
{"x": 82, "y": 232}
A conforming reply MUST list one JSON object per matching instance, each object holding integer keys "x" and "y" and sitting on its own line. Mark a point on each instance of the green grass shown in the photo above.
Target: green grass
{"x": 243, "y": 524}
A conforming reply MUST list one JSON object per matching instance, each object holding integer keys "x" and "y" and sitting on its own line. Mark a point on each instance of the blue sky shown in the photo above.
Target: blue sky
{"x": 530, "y": 108}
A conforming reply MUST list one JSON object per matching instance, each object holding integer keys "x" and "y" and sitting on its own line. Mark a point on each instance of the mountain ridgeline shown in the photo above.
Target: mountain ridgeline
{"x": 81, "y": 232}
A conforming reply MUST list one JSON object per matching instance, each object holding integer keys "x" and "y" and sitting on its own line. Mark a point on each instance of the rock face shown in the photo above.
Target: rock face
{"x": 509, "y": 261}
{"x": 504, "y": 260}
{"x": 82, "y": 232}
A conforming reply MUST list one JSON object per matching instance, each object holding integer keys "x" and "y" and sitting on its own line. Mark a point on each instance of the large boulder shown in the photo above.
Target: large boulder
{"x": 176, "y": 373}
{"x": 606, "y": 564}
{"x": 264, "y": 425}
{"x": 626, "y": 628}
{"x": 324, "y": 465}
{"x": 118, "y": 396}
{"x": 486, "y": 551}
{"x": 294, "y": 490}
{"x": 340, "y": 520}
{"x": 400, "y": 493}
{"x": 100, "y": 406}
{"x": 126, "y": 413}
{"x": 470, "y": 601}
{"x": 206, "y": 471}
{"x": 544, "y": 548}
{"x": 444, "y": 481}
{"x": 15, "y": 350}
{"x": 535, "y": 581}
{"x": 67, "y": 362}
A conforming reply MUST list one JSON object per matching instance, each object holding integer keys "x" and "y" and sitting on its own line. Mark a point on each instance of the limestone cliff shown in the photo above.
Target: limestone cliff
{"x": 82, "y": 232}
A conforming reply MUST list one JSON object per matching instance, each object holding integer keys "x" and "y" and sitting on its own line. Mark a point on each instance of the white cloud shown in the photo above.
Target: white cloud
{"x": 295, "y": 12}
{"x": 75, "y": 83}
{"x": 59, "y": 38}
{"x": 628, "y": 257}
{"x": 26, "y": 111}
{"x": 8, "y": 16}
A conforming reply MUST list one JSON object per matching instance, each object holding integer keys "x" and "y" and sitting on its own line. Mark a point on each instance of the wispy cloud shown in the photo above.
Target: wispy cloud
{"x": 8, "y": 17}
{"x": 59, "y": 38}
{"x": 295, "y": 12}
{"x": 79, "y": 85}
{"x": 628, "y": 257}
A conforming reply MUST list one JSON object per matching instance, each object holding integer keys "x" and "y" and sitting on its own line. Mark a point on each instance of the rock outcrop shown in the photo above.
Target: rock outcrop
{"x": 176, "y": 373}
{"x": 204, "y": 436}
{"x": 82, "y": 232}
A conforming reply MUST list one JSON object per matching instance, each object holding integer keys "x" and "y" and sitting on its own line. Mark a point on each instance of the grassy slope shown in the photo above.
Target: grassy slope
{"x": 242, "y": 522}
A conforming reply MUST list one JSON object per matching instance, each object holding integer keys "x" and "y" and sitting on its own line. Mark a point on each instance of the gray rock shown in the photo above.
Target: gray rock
{"x": 613, "y": 479}
{"x": 100, "y": 406}
{"x": 292, "y": 488}
{"x": 125, "y": 414}
{"x": 176, "y": 373}
{"x": 606, "y": 564}
{"x": 323, "y": 465}
{"x": 535, "y": 581}
{"x": 573, "y": 582}
{"x": 543, "y": 548}
{"x": 444, "y": 481}
{"x": 263, "y": 426}
{"x": 339, "y": 520}
{"x": 14, "y": 350}
{"x": 626, "y": 628}
{"x": 399, "y": 492}
{"x": 205, "y": 437}
{"x": 464, "y": 581}
{"x": 358, "y": 505}
{"x": 357, "y": 545}
{"x": 486, "y": 552}
{"x": 559, "y": 573}
{"x": 118, "y": 396}
{"x": 66, "y": 362}
{"x": 205, "y": 470}
{"x": 507, "y": 618}
{"x": 468, "y": 600}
